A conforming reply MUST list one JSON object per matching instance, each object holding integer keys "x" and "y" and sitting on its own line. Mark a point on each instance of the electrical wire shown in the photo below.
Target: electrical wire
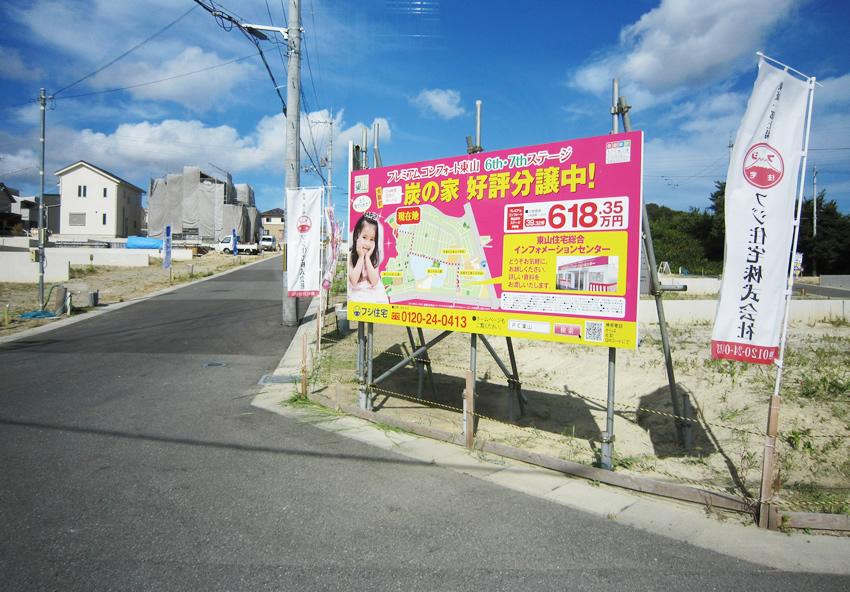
{"x": 208, "y": 68}
{"x": 283, "y": 10}
{"x": 227, "y": 22}
{"x": 310, "y": 69}
{"x": 7, "y": 173}
{"x": 277, "y": 44}
{"x": 126, "y": 53}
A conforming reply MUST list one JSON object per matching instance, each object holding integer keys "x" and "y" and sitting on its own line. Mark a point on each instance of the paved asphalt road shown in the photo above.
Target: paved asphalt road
{"x": 128, "y": 463}
{"x": 839, "y": 293}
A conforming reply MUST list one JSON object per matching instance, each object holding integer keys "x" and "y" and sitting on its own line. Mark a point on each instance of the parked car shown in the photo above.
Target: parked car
{"x": 225, "y": 245}
{"x": 268, "y": 243}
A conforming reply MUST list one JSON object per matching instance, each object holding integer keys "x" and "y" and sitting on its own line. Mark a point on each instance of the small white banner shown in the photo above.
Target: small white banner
{"x": 761, "y": 188}
{"x": 303, "y": 240}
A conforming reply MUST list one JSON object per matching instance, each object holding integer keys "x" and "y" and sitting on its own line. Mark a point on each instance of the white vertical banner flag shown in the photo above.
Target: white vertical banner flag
{"x": 761, "y": 188}
{"x": 303, "y": 238}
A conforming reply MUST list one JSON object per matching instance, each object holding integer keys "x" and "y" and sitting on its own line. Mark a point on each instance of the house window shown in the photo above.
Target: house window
{"x": 77, "y": 219}
{"x": 265, "y": 232}
{"x": 81, "y": 190}
{"x": 104, "y": 219}
{"x": 104, "y": 192}
{"x": 268, "y": 219}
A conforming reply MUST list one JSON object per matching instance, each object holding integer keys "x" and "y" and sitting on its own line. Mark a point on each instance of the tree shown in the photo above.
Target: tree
{"x": 679, "y": 237}
{"x": 831, "y": 247}
{"x": 715, "y": 241}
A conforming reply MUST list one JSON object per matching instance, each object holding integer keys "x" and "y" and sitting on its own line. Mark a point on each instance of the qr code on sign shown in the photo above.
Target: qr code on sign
{"x": 594, "y": 331}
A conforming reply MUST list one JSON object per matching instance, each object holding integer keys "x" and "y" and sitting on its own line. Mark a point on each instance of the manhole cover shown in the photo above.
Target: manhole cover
{"x": 213, "y": 364}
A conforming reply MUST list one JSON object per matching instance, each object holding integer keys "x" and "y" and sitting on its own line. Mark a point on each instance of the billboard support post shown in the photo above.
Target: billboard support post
{"x": 683, "y": 427}
{"x": 469, "y": 394}
{"x": 370, "y": 347}
{"x": 607, "y": 452}
{"x": 361, "y": 354}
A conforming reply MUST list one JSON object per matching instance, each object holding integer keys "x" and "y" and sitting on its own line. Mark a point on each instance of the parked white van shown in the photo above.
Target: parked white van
{"x": 268, "y": 243}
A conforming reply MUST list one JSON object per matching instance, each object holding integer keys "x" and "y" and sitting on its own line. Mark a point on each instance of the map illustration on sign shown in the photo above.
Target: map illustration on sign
{"x": 439, "y": 258}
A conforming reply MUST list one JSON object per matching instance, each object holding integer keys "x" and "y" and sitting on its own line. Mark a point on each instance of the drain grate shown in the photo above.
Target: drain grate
{"x": 278, "y": 379}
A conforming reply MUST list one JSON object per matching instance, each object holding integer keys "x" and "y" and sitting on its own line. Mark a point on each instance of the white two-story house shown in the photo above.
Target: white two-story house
{"x": 98, "y": 204}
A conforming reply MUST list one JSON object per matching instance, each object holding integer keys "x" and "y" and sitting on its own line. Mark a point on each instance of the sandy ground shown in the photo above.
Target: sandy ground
{"x": 115, "y": 284}
{"x": 566, "y": 390}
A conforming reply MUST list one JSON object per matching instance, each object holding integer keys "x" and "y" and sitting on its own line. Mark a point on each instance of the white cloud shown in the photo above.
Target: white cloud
{"x": 12, "y": 66}
{"x": 137, "y": 151}
{"x": 198, "y": 92}
{"x": 683, "y": 43}
{"x": 444, "y": 103}
{"x": 21, "y": 164}
{"x": 833, "y": 92}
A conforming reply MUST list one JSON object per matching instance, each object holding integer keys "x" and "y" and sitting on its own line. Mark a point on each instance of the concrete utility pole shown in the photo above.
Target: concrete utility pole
{"x": 293, "y": 140}
{"x": 475, "y": 148}
{"x": 376, "y": 151}
{"x": 42, "y": 102}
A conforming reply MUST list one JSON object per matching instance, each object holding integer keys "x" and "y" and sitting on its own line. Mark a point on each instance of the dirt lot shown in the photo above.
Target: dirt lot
{"x": 566, "y": 389}
{"x": 115, "y": 284}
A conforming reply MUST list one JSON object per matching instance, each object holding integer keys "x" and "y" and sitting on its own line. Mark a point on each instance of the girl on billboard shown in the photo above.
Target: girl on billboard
{"x": 364, "y": 282}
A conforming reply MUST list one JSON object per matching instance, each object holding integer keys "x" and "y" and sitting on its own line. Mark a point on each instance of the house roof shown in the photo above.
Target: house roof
{"x": 8, "y": 191}
{"x": 277, "y": 212}
{"x": 96, "y": 169}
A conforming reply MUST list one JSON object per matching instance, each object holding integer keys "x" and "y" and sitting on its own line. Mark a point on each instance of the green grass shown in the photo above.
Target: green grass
{"x": 818, "y": 499}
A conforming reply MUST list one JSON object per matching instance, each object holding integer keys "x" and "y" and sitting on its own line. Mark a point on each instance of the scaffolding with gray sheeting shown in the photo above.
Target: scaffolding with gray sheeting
{"x": 202, "y": 208}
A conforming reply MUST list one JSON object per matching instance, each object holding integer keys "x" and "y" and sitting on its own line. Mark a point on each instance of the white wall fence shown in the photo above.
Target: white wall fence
{"x": 16, "y": 267}
{"x": 98, "y": 257}
{"x": 684, "y": 311}
{"x": 18, "y": 242}
{"x": 176, "y": 254}
{"x": 696, "y": 285}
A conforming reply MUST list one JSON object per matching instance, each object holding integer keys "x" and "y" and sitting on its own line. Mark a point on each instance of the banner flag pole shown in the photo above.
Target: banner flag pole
{"x": 766, "y": 491}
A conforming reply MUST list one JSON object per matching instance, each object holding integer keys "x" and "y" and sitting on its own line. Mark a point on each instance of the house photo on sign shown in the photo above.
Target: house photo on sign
{"x": 541, "y": 242}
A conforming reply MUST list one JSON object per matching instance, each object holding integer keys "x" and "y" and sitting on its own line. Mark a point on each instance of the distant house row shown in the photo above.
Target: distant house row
{"x": 95, "y": 203}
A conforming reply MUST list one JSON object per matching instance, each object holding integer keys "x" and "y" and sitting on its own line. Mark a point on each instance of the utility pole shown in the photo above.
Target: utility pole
{"x": 293, "y": 138}
{"x": 331, "y": 161}
{"x": 475, "y": 148}
{"x": 42, "y": 102}
{"x": 376, "y": 152}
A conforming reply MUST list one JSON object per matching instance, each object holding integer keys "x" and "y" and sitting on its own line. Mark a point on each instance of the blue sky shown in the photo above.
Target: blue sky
{"x": 543, "y": 70}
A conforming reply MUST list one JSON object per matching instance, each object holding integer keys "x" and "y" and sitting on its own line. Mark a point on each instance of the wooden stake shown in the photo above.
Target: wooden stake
{"x": 304, "y": 366}
{"x": 338, "y": 393}
{"x": 319, "y": 325}
{"x": 769, "y": 461}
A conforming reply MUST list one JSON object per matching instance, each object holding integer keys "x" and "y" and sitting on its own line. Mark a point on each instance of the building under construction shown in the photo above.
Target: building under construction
{"x": 202, "y": 208}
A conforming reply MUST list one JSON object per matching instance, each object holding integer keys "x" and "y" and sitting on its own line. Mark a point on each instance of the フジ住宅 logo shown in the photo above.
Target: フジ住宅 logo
{"x": 763, "y": 166}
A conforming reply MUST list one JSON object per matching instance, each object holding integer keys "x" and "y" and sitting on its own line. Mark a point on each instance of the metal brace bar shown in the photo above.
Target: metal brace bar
{"x": 407, "y": 360}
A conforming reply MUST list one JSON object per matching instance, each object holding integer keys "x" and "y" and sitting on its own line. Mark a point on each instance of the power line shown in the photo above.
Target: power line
{"x": 283, "y": 10}
{"x": 278, "y": 44}
{"x": 208, "y": 68}
{"x": 227, "y": 22}
{"x": 128, "y": 52}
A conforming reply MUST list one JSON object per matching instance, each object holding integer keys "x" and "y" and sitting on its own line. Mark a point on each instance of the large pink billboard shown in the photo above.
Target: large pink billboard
{"x": 541, "y": 242}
